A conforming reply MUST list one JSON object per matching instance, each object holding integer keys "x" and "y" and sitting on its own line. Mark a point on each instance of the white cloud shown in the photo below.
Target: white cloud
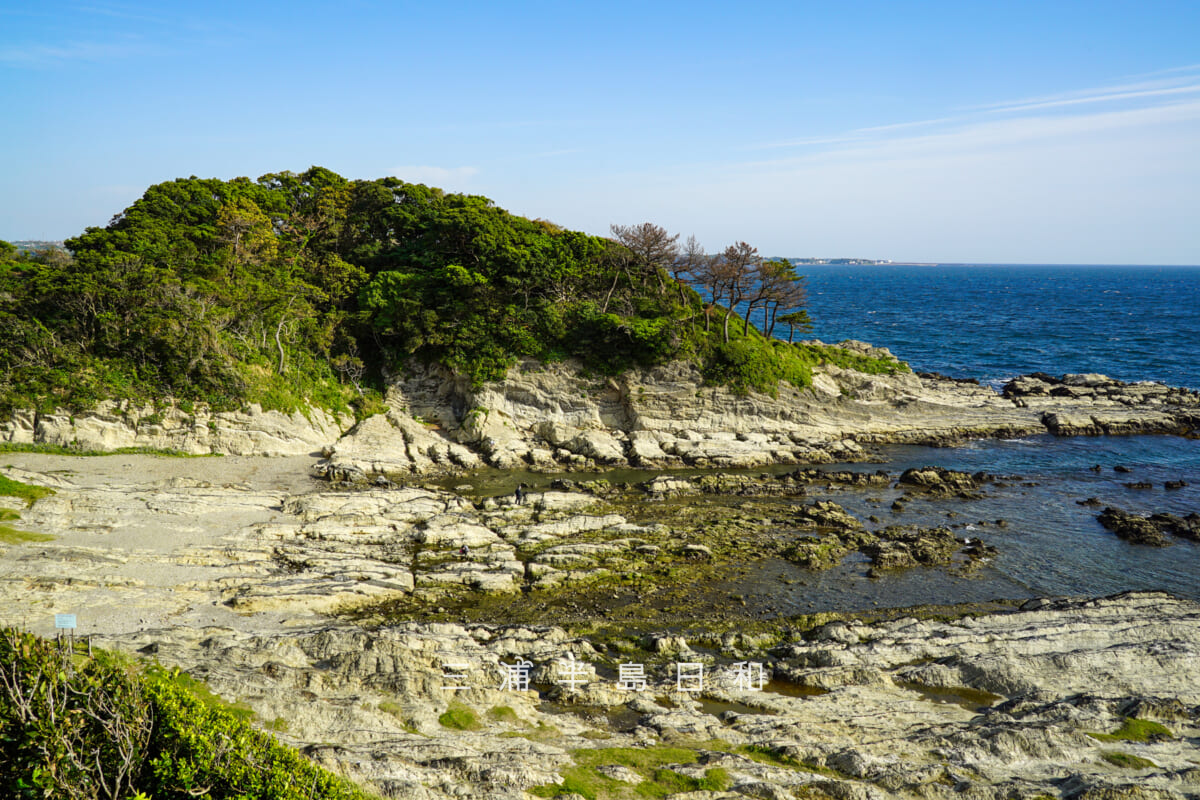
{"x": 442, "y": 177}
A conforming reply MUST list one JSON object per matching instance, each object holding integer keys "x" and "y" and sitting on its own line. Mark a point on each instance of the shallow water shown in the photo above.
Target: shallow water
{"x": 1050, "y": 546}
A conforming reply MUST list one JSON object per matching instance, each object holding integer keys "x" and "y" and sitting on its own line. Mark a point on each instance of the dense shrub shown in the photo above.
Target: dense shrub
{"x": 79, "y": 727}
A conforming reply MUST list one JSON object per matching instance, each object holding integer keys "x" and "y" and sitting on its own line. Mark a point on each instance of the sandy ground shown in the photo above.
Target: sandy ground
{"x": 142, "y": 542}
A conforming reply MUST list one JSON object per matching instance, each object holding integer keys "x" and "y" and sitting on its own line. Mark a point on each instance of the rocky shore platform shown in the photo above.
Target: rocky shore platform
{"x": 366, "y": 603}
{"x": 352, "y": 626}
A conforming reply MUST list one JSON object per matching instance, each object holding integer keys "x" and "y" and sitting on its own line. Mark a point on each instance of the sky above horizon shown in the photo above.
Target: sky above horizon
{"x": 1015, "y": 132}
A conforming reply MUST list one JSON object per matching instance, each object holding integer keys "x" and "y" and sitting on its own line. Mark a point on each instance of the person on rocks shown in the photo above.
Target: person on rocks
{"x": 464, "y": 551}
{"x": 520, "y": 494}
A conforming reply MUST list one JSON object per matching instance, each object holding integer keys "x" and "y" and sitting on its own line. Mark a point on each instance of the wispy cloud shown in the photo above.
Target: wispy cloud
{"x": 38, "y": 55}
{"x": 1075, "y": 113}
{"x": 1105, "y": 94}
{"x": 435, "y": 176}
{"x": 981, "y": 137}
{"x": 119, "y": 12}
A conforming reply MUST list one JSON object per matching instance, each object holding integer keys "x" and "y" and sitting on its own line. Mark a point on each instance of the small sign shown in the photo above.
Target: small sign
{"x": 66, "y": 621}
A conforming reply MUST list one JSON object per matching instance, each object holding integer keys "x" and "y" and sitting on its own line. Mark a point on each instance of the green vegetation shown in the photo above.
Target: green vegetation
{"x": 302, "y": 289}
{"x": 73, "y": 726}
{"x": 23, "y": 491}
{"x": 504, "y": 715}
{"x": 650, "y": 763}
{"x": 200, "y": 691}
{"x": 460, "y": 718}
{"x": 1127, "y": 761}
{"x": 10, "y": 535}
{"x": 773, "y": 756}
{"x": 1135, "y": 730}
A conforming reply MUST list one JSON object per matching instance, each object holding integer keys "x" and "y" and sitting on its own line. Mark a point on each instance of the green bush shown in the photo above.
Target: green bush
{"x": 73, "y": 726}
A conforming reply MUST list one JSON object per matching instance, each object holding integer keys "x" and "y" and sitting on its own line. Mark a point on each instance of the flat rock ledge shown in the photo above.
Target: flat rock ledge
{"x": 1000, "y": 706}
{"x": 555, "y": 417}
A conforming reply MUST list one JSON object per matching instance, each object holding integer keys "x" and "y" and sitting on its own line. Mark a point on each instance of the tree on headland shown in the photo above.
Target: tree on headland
{"x": 781, "y": 289}
{"x": 796, "y": 321}
{"x": 734, "y": 271}
{"x": 648, "y": 251}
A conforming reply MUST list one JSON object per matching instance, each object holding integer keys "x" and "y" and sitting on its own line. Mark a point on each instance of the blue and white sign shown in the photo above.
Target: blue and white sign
{"x": 66, "y": 621}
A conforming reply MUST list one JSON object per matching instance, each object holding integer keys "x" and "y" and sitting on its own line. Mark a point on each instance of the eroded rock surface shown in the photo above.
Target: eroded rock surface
{"x": 115, "y": 425}
{"x": 554, "y": 416}
{"x": 999, "y": 706}
{"x": 226, "y": 568}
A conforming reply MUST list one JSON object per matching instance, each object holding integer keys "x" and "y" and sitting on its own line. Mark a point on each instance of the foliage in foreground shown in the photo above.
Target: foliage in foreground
{"x": 306, "y": 289}
{"x": 77, "y": 727}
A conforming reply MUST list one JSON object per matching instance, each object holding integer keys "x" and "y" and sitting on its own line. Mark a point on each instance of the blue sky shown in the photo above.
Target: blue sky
{"x": 1063, "y": 132}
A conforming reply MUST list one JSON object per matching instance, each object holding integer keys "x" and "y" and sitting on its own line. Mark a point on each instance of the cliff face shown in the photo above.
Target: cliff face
{"x": 113, "y": 425}
{"x": 556, "y": 416}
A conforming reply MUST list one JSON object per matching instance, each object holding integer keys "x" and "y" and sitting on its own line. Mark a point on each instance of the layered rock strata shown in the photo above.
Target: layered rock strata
{"x": 554, "y": 416}
{"x": 115, "y": 425}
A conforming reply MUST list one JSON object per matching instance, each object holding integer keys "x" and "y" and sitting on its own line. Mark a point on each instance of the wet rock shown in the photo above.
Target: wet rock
{"x": 878, "y": 478}
{"x": 825, "y": 514}
{"x": 1139, "y": 485}
{"x": 902, "y": 546}
{"x": 1175, "y": 484}
{"x": 1122, "y": 468}
{"x": 1185, "y": 527}
{"x": 813, "y": 552}
{"x": 940, "y": 482}
{"x": 1132, "y": 528}
{"x": 1091, "y": 501}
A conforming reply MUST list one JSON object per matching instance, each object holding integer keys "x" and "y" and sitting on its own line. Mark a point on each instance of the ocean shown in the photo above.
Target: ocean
{"x": 994, "y": 322}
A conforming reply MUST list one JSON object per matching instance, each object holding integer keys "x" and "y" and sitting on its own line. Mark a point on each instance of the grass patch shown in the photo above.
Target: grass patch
{"x": 1134, "y": 730}
{"x": 397, "y": 711}
{"x": 643, "y": 758}
{"x": 8, "y": 515}
{"x": 503, "y": 715}
{"x": 542, "y": 733}
{"x": 10, "y": 535}
{"x": 23, "y": 491}
{"x": 775, "y": 757}
{"x": 667, "y": 782}
{"x": 650, "y": 763}
{"x": 460, "y": 718}
{"x": 1126, "y": 761}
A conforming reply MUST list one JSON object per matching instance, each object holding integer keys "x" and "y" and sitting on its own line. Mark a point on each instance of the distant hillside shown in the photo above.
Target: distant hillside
{"x": 297, "y": 289}
{"x": 36, "y": 245}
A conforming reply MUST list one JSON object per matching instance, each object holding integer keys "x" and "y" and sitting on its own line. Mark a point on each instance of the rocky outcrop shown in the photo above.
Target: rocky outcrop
{"x": 556, "y": 416}
{"x": 1151, "y": 530}
{"x": 114, "y": 425}
{"x": 991, "y": 707}
{"x": 893, "y": 547}
{"x": 1106, "y": 404}
{"x": 941, "y": 482}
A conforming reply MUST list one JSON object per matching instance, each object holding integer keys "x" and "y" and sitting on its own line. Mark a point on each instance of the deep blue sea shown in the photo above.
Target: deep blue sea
{"x": 994, "y": 322}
